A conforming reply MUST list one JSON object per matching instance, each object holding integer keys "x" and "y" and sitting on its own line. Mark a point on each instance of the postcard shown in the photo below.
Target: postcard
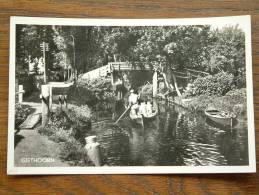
{"x": 130, "y": 96}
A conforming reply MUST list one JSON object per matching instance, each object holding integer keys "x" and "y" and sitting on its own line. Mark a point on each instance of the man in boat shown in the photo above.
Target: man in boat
{"x": 119, "y": 88}
{"x": 133, "y": 102}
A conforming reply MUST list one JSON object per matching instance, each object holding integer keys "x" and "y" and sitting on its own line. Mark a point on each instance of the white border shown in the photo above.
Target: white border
{"x": 243, "y": 21}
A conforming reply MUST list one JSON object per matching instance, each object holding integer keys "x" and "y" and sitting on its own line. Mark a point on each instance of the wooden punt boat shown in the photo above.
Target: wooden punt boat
{"x": 151, "y": 116}
{"x": 220, "y": 117}
{"x": 138, "y": 119}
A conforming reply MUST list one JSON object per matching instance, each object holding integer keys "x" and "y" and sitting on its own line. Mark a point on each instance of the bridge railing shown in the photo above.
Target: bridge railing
{"x": 124, "y": 66}
{"x": 97, "y": 73}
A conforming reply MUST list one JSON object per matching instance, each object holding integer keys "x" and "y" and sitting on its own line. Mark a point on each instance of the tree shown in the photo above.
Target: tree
{"x": 29, "y": 38}
{"x": 227, "y": 53}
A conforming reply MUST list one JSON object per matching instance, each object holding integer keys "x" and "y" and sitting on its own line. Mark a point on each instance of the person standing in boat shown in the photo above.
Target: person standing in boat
{"x": 133, "y": 102}
{"x": 119, "y": 88}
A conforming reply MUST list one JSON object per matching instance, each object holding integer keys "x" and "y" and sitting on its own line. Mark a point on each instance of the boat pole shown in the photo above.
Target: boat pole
{"x": 122, "y": 115}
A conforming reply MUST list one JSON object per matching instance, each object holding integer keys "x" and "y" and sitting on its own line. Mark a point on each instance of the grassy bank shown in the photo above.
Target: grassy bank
{"x": 69, "y": 128}
{"x": 234, "y": 102}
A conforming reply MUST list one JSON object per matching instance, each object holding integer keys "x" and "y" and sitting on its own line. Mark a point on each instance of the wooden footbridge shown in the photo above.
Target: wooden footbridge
{"x": 111, "y": 67}
{"x": 108, "y": 69}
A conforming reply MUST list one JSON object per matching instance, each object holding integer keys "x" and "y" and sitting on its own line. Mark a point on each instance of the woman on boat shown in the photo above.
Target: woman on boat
{"x": 133, "y": 101}
{"x": 143, "y": 108}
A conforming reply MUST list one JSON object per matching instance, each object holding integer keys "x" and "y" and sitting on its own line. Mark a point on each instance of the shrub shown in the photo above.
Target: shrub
{"x": 74, "y": 152}
{"x": 59, "y": 127}
{"x": 80, "y": 117}
{"x": 91, "y": 92}
{"x": 80, "y": 95}
{"x": 218, "y": 84}
{"x": 234, "y": 101}
{"x": 72, "y": 122}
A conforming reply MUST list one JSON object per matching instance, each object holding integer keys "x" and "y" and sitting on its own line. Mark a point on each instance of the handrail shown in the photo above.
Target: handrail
{"x": 197, "y": 71}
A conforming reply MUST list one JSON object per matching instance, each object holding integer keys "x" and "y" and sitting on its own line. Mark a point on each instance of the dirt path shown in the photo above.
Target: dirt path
{"x": 35, "y": 150}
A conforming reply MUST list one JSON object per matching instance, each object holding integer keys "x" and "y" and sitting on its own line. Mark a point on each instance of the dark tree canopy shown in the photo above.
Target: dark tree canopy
{"x": 198, "y": 47}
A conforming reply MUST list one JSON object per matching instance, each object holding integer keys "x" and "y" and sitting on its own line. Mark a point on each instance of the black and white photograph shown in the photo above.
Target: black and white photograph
{"x": 135, "y": 96}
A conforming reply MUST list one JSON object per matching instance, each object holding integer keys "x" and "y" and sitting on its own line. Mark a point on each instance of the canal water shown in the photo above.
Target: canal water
{"x": 176, "y": 137}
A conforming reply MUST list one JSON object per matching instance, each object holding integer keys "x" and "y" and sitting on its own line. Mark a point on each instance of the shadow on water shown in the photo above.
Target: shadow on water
{"x": 174, "y": 137}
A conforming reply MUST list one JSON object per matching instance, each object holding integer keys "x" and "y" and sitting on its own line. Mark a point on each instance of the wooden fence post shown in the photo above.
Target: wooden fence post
{"x": 45, "y": 103}
{"x": 112, "y": 81}
{"x": 93, "y": 150}
{"x": 189, "y": 76}
{"x": 65, "y": 101}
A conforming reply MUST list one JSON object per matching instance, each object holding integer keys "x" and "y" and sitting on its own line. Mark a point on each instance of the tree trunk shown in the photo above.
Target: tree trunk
{"x": 170, "y": 86}
{"x": 175, "y": 85}
{"x": 166, "y": 82}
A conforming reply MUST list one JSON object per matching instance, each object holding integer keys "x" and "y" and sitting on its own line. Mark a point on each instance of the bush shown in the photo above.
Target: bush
{"x": 80, "y": 95}
{"x": 59, "y": 127}
{"x": 74, "y": 152}
{"x": 80, "y": 117}
{"x": 100, "y": 83}
{"x": 234, "y": 101}
{"x": 218, "y": 84}
{"x": 91, "y": 92}
{"x": 79, "y": 113}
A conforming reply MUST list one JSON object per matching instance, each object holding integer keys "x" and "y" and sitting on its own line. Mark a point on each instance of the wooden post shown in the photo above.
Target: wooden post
{"x": 60, "y": 101}
{"x": 93, "y": 150}
{"x": 155, "y": 84}
{"x": 45, "y": 103}
{"x": 65, "y": 101}
{"x": 112, "y": 81}
{"x": 189, "y": 76}
{"x": 20, "y": 94}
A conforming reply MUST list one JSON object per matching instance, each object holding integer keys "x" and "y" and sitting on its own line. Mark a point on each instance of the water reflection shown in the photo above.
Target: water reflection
{"x": 175, "y": 137}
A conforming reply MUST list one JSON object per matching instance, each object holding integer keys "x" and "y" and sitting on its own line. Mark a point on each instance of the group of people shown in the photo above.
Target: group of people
{"x": 139, "y": 107}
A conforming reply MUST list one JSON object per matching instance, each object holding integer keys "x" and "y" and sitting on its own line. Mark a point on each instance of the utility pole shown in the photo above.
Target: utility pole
{"x": 44, "y": 47}
{"x": 75, "y": 71}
